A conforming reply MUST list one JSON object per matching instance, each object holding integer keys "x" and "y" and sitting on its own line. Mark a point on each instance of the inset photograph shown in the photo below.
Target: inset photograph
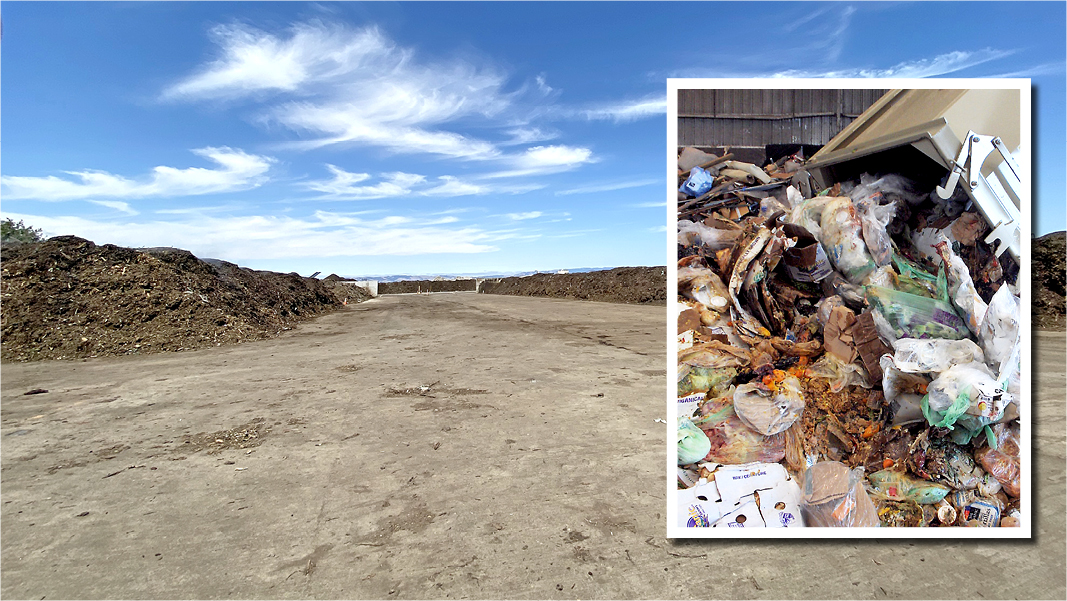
{"x": 852, "y": 257}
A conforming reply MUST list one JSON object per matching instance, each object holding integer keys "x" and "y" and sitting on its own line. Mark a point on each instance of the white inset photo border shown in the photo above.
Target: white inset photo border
{"x": 675, "y": 529}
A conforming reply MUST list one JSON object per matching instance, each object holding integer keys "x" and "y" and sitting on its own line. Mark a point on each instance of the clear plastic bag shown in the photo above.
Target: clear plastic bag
{"x": 714, "y": 238}
{"x": 842, "y": 237}
{"x": 899, "y": 486}
{"x": 875, "y": 220}
{"x": 769, "y": 413}
{"x": 1000, "y": 327}
{"x": 903, "y": 392}
{"x": 733, "y": 442}
{"x": 914, "y": 316}
{"x": 834, "y": 496}
{"x": 838, "y": 373}
{"x": 1002, "y": 462}
{"x": 961, "y": 288}
{"x": 915, "y": 280}
{"x": 934, "y": 354}
{"x": 965, "y": 398}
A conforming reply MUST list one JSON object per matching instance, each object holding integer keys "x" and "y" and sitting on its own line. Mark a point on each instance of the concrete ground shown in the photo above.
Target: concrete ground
{"x": 452, "y": 445}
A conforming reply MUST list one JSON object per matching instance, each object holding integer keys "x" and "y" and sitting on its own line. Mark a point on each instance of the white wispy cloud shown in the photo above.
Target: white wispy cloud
{"x": 524, "y": 216}
{"x": 631, "y": 110}
{"x": 237, "y": 170}
{"x": 264, "y": 237}
{"x": 253, "y": 61}
{"x": 363, "y": 186}
{"x": 117, "y": 205}
{"x": 353, "y": 86}
{"x": 608, "y": 187}
{"x": 540, "y": 160}
{"x": 942, "y": 64}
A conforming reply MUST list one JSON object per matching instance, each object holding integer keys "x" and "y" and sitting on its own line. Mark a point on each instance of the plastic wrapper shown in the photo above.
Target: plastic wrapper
{"x": 693, "y": 444}
{"x": 699, "y": 182}
{"x": 961, "y": 288}
{"x": 883, "y": 276}
{"x": 704, "y": 286}
{"x": 903, "y": 392}
{"x": 899, "y": 486}
{"x": 968, "y": 388}
{"x": 714, "y": 238}
{"x": 915, "y": 280}
{"x": 704, "y": 379}
{"x": 834, "y": 496}
{"x": 1002, "y": 462}
{"x": 914, "y": 316}
{"x": 1000, "y": 327}
{"x": 769, "y": 413}
{"x": 875, "y": 217}
{"x": 808, "y": 214}
{"x": 842, "y": 237}
{"x": 839, "y": 374}
{"x": 734, "y": 442}
{"x": 934, "y": 354}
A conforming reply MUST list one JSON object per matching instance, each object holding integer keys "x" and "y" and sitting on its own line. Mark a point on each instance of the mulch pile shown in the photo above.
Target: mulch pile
{"x": 412, "y": 286}
{"x": 68, "y": 298}
{"x": 630, "y": 285}
{"x": 1049, "y": 264}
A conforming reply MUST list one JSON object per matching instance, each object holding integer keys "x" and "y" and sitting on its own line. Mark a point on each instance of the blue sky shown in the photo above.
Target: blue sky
{"x": 380, "y": 138}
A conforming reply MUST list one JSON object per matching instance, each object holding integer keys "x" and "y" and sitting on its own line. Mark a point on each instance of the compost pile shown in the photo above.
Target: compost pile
{"x": 1049, "y": 280}
{"x": 847, "y": 357}
{"x": 416, "y": 286}
{"x": 630, "y": 285}
{"x": 68, "y": 298}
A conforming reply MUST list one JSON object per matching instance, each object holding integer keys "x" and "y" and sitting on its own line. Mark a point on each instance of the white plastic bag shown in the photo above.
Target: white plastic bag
{"x": 1000, "y": 327}
{"x": 914, "y": 355}
{"x": 842, "y": 237}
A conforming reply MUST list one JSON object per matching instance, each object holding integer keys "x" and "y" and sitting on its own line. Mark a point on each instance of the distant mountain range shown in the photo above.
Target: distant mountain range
{"x": 453, "y": 276}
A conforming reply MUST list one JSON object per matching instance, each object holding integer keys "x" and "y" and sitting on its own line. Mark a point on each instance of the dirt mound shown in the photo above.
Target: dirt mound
{"x": 410, "y": 286}
{"x": 1049, "y": 280}
{"x": 69, "y": 298}
{"x": 630, "y": 285}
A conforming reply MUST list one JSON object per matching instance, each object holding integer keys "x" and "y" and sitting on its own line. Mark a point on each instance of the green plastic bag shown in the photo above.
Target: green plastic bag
{"x": 914, "y": 316}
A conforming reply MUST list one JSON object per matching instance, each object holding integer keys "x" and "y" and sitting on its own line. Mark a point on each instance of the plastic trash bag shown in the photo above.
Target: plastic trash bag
{"x": 769, "y": 413}
{"x": 898, "y": 486}
{"x": 915, "y": 280}
{"x": 842, "y": 237}
{"x": 704, "y": 379}
{"x": 693, "y": 444}
{"x": 834, "y": 496}
{"x": 808, "y": 214}
{"x": 965, "y": 399}
{"x": 1002, "y": 461}
{"x": 875, "y": 220}
{"x": 714, "y": 238}
{"x": 914, "y": 316}
{"x": 699, "y": 182}
{"x": 734, "y": 442}
{"x": 934, "y": 354}
{"x": 903, "y": 393}
{"x": 838, "y": 373}
{"x": 1000, "y": 326}
{"x": 961, "y": 288}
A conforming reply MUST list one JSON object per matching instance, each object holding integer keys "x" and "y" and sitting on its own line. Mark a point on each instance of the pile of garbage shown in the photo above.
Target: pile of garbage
{"x": 848, "y": 356}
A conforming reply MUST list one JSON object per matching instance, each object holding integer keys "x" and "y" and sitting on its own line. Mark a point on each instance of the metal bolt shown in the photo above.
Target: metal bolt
{"x": 975, "y": 139}
{"x": 974, "y": 184}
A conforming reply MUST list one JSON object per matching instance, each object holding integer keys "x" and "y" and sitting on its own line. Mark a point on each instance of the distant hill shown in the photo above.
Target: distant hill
{"x": 454, "y": 276}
